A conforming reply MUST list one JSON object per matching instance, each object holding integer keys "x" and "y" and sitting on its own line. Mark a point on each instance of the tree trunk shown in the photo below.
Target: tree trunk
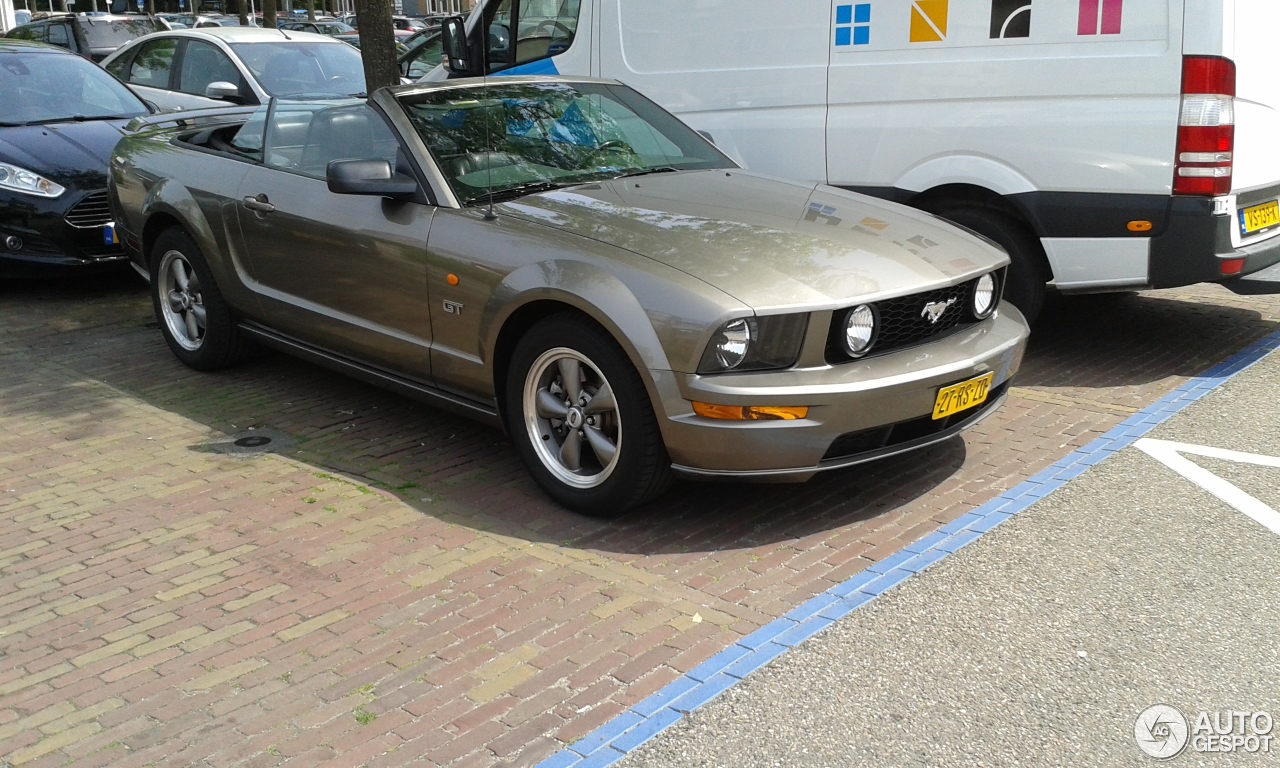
{"x": 377, "y": 44}
{"x": 151, "y": 7}
{"x": 243, "y": 6}
{"x": 311, "y": 10}
{"x": 269, "y": 14}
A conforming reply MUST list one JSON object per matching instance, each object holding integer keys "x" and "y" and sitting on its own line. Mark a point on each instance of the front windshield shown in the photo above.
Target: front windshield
{"x": 42, "y": 87}
{"x": 298, "y": 68}
{"x": 509, "y": 139}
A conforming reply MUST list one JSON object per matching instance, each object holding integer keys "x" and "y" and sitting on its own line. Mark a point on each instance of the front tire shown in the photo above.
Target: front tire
{"x": 1026, "y": 284}
{"x": 196, "y": 321}
{"x": 582, "y": 421}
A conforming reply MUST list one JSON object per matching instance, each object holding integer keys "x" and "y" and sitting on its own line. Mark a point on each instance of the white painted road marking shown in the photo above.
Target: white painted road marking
{"x": 1170, "y": 454}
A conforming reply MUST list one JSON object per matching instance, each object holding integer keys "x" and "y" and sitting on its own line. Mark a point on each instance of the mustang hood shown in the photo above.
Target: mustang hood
{"x": 71, "y": 154}
{"x": 769, "y": 243}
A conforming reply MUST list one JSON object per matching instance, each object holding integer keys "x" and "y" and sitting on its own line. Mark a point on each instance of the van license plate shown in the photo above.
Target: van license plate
{"x": 959, "y": 397}
{"x": 1259, "y": 217}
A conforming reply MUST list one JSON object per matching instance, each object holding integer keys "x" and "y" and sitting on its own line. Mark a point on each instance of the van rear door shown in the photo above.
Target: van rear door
{"x": 1256, "y": 32}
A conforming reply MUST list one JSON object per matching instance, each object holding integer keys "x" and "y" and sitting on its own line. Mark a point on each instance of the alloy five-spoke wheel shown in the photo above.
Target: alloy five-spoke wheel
{"x": 198, "y": 324}
{"x": 182, "y": 301}
{"x": 571, "y": 418}
{"x": 571, "y": 395}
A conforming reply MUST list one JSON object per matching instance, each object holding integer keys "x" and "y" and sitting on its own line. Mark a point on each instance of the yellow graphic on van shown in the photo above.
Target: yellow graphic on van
{"x": 928, "y": 21}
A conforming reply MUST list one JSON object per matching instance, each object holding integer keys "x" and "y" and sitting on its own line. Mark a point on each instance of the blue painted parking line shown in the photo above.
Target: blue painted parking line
{"x": 612, "y": 741}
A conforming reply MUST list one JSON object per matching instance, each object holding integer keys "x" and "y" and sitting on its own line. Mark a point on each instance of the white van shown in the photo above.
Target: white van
{"x": 1106, "y": 144}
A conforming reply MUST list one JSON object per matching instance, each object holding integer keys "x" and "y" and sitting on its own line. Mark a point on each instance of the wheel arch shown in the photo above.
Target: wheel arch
{"x": 937, "y": 199}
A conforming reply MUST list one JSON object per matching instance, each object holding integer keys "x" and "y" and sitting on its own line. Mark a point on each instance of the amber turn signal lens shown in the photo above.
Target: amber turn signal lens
{"x": 452, "y": 279}
{"x": 1139, "y": 226}
{"x": 750, "y": 412}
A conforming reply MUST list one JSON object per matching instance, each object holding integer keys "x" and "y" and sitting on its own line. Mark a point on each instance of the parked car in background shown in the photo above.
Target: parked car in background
{"x": 421, "y": 53}
{"x": 566, "y": 259}
{"x": 61, "y": 117}
{"x": 402, "y": 36}
{"x": 91, "y": 36}
{"x": 195, "y": 68}
{"x": 403, "y": 23}
{"x": 330, "y": 28}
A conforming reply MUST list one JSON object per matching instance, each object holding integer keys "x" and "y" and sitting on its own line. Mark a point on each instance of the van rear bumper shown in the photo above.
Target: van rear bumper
{"x": 1196, "y": 242}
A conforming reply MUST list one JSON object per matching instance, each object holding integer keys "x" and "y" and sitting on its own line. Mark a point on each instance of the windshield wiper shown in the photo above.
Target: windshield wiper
{"x": 647, "y": 171}
{"x": 77, "y": 119}
{"x": 519, "y": 190}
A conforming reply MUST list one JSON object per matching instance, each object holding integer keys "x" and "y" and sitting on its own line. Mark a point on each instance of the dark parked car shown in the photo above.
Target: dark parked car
{"x": 62, "y": 117}
{"x": 94, "y": 37}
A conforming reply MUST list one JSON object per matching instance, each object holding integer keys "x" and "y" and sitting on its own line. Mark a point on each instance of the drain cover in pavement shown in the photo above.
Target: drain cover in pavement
{"x": 248, "y": 443}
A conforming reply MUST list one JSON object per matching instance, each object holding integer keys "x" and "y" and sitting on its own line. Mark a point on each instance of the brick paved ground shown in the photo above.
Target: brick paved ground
{"x": 391, "y": 588}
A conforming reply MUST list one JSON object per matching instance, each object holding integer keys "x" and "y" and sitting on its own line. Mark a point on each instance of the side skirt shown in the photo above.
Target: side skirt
{"x": 375, "y": 376}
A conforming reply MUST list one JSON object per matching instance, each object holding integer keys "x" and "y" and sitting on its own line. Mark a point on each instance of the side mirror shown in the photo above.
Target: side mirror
{"x": 369, "y": 177}
{"x": 223, "y": 91}
{"x": 453, "y": 40}
{"x": 707, "y": 135}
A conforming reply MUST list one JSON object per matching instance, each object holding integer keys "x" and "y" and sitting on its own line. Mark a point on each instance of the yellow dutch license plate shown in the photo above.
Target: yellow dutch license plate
{"x": 959, "y": 397}
{"x": 1259, "y": 217}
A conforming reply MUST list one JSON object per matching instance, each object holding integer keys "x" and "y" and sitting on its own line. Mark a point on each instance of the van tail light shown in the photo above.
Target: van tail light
{"x": 1206, "y": 127}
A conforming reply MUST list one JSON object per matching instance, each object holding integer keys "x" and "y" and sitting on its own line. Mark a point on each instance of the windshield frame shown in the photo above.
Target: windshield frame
{"x": 696, "y": 152}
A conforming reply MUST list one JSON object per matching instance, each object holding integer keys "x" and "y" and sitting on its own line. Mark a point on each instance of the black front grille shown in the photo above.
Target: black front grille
{"x": 904, "y": 322}
{"x": 892, "y": 435}
{"x": 93, "y": 211}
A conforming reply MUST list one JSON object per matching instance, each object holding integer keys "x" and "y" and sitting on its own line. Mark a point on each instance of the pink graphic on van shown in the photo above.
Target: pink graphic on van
{"x": 1100, "y": 16}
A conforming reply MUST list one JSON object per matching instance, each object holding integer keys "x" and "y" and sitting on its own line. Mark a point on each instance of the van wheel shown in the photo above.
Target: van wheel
{"x": 196, "y": 321}
{"x": 581, "y": 419}
{"x": 1026, "y": 284}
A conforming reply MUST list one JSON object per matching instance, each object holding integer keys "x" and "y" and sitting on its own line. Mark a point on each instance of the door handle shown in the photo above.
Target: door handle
{"x": 259, "y": 204}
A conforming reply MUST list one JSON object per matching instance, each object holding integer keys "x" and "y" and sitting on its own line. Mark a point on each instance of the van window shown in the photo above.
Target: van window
{"x": 545, "y": 28}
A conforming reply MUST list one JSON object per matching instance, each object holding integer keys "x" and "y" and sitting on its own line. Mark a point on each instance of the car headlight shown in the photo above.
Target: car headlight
{"x": 18, "y": 179}
{"x": 984, "y": 296}
{"x": 860, "y": 328}
{"x": 755, "y": 344}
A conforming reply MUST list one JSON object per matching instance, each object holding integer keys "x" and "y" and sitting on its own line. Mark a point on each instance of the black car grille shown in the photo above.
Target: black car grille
{"x": 903, "y": 322}
{"x": 93, "y": 211}
{"x": 890, "y": 436}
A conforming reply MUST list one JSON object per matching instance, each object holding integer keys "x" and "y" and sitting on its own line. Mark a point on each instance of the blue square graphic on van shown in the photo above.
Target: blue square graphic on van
{"x": 853, "y": 24}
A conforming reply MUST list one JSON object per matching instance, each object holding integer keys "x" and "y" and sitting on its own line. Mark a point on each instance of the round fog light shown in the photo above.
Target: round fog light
{"x": 13, "y": 243}
{"x": 860, "y": 330}
{"x": 984, "y": 296}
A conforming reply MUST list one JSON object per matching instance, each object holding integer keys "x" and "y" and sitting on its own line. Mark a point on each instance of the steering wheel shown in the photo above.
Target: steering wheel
{"x": 552, "y": 27}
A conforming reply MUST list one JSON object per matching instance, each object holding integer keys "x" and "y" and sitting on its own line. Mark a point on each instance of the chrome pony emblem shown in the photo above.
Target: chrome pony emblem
{"x": 934, "y": 309}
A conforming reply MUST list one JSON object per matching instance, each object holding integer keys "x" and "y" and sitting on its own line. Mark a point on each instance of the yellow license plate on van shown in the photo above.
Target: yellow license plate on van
{"x": 1259, "y": 217}
{"x": 959, "y": 397}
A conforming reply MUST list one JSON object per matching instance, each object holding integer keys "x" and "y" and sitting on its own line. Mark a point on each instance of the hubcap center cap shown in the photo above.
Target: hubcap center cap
{"x": 575, "y": 418}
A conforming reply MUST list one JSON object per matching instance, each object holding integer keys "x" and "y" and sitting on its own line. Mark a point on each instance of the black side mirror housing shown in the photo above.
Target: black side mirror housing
{"x": 453, "y": 41}
{"x": 369, "y": 177}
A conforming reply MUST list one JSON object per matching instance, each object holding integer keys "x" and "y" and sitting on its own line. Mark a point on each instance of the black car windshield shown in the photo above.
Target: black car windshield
{"x": 298, "y": 68}
{"x": 49, "y": 87}
{"x": 507, "y": 139}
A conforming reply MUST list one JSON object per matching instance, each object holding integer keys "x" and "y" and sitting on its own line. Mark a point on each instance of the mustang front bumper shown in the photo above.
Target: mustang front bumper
{"x": 858, "y": 411}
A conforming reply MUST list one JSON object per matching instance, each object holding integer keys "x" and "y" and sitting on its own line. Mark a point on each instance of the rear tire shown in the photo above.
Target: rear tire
{"x": 1026, "y": 283}
{"x": 196, "y": 321}
{"x": 582, "y": 421}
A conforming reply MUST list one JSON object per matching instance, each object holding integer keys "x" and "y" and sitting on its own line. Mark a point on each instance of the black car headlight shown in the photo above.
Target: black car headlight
{"x": 755, "y": 344}
{"x": 17, "y": 179}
